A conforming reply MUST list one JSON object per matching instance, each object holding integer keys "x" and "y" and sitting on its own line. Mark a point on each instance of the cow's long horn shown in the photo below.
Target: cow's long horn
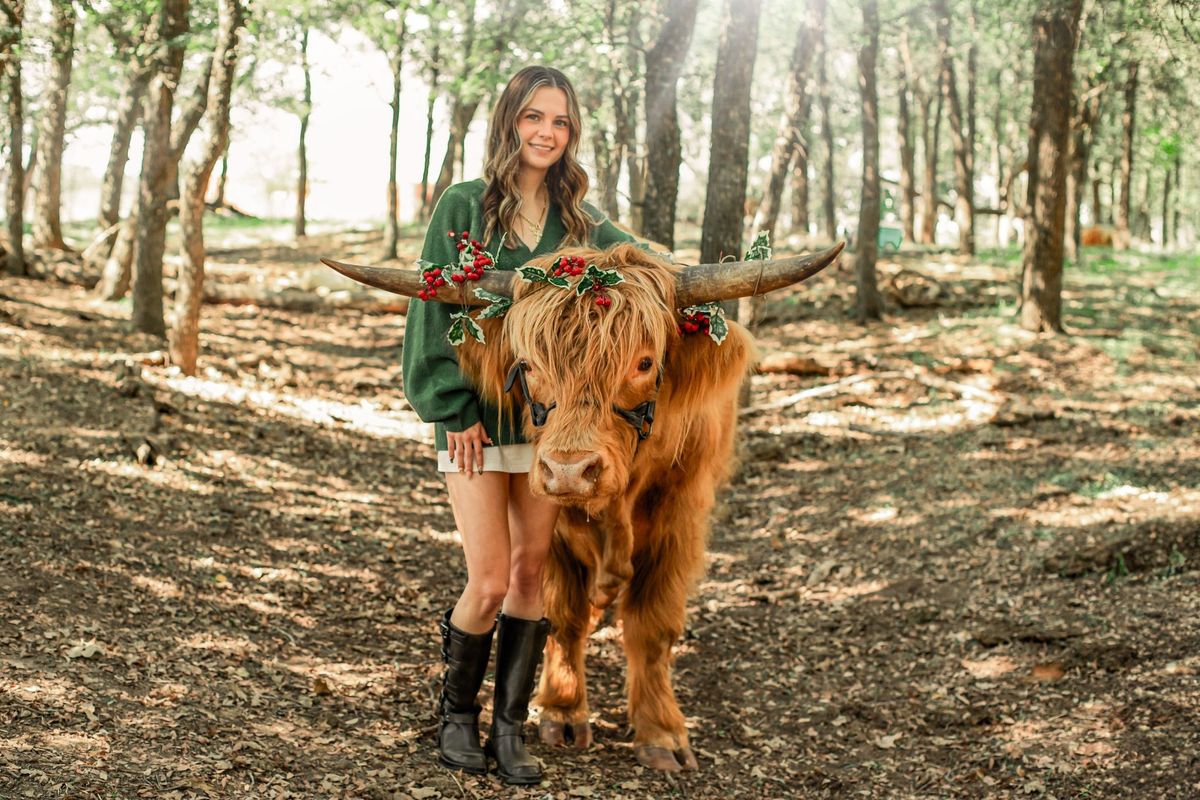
{"x": 706, "y": 283}
{"x": 409, "y": 282}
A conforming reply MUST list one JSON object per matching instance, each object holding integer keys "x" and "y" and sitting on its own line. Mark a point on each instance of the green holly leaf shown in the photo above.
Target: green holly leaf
{"x": 718, "y": 327}
{"x": 532, "y": 274}
{"x": 498, "y": 304}
{"x": 424, "y": 265}
{"x": 461, "y": 326}
{"x": 703, "y": 308}
{"x": 457, "y": 333}
{"x": 582, "y": 285}
{"x": 606, "y": 277}
{"x": 559, "y": 281}
{"x": 760, "y": 249}
{"x": 476, "y": 331}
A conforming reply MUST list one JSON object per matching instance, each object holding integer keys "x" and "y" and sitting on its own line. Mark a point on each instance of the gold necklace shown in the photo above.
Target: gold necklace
{"x": 535, "y": 228}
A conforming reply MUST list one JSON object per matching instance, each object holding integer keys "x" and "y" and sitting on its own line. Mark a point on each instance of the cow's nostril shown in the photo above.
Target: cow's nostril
{"x": 592, "y": 471}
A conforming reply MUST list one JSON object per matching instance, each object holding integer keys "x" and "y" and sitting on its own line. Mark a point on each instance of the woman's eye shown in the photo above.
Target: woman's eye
{"x": 562, "y": 123}
{"x": 645, "y": 364}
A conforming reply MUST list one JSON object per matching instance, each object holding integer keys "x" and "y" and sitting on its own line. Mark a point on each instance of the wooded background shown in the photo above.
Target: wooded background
{"x": 958, "y": 123}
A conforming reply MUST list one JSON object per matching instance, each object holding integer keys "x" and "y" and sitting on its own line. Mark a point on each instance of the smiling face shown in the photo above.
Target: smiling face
{"x": 544, "y": 128}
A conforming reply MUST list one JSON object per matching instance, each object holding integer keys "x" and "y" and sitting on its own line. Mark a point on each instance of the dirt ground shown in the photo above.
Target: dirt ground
{"x": 959, "y": 560}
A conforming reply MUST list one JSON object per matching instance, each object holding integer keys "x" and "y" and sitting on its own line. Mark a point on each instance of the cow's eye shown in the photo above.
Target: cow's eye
{"x": 645, "y": 364}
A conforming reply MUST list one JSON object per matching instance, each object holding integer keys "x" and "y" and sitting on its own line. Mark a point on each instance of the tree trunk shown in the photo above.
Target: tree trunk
{"x": 1121, "y": 216}
{"x": 1083, "y": 122}
{"x": 461, "y": 115}
{"x": 868, "y": 302}
{"x": 189, "y": 294}
{"x": 800, "y": 219}
{"x": 223, "y": 177}
{"x": 129, "y": 110}
{"x": 1164, "y": 237}
{"x": 963, "y": 145}
{"x": 728, "y": 165}
{"x": 1054, "y": 27}
{"x": 150, "y": 237}
{"x": 627, "y": 127}
{"x": 908, "y": 148}
{"x": 1178, "y": 191}
{"x": 434, "y": 73}
{"x": 930, "y": 136}
{"x": 795, "y": 116}
{"x": 828, "y": 190}
{"x": 302, "y": 148}
{"x": 10, "y": 59}
{"x": 664, "y": 64}
{"x": 391, "y": 236}
{"x": 47, "y": 224}
{"x": 1098, "y": 215}
{"x": 115, "y": 279}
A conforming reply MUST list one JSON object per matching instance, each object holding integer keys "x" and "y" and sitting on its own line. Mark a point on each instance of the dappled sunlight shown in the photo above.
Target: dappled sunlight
{"x": 1084, "y": 736}
{"x": 164, "y": 478}
{"x": 162, "y": 588}
{"x": 990, "y": 667}
{"x": 24, "y": 458}
{"x": 364, "y": 416}
{"x": 224, "y": 644}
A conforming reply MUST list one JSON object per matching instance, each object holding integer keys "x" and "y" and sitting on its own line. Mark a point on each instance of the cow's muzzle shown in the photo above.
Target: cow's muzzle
{"x": 575, "y": 475}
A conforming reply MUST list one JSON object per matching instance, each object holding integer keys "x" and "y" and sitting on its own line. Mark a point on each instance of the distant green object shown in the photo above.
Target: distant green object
{"x": 889, "y": 239}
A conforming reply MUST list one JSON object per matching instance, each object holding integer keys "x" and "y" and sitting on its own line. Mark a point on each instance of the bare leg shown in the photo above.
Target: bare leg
{"x": 478, "y": 502}
{"x": 530, "y": 528}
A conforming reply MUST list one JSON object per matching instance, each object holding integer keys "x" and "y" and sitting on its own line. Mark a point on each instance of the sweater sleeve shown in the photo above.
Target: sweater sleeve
{"x": 433, "y": 382}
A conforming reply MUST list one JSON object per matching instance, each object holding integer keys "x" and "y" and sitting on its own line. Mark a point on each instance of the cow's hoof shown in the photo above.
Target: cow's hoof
{"x": 576, "y": 736}
{"x": 663, "y": 760}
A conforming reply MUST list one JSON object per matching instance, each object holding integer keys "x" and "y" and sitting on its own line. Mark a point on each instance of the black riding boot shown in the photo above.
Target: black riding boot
{"x": 519, "y": 644}
{"x": 466, "y": 658}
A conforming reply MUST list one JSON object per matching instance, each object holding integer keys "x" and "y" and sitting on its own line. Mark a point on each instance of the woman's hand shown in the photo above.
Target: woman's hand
{"x": 466, "y": 448}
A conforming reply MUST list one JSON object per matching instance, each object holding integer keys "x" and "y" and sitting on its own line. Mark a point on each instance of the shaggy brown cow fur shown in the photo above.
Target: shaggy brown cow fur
{"x": 639, "y": 539}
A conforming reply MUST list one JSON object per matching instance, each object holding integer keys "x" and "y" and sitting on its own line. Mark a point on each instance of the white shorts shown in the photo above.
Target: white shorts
{"x": 505, "y": 458}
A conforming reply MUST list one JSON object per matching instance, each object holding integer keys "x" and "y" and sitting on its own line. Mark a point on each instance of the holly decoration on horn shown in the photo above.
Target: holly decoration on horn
{"x": 590, "y": 278}
{"x": 472, "y": 261}
{"x": 709, "y": 318}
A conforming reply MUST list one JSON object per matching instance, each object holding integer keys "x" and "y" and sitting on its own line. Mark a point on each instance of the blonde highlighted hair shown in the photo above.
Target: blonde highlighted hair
{"x": 566, "y": 181}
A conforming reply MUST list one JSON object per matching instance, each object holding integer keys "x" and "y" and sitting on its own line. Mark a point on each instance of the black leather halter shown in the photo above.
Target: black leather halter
{"x": 641, "y": 416}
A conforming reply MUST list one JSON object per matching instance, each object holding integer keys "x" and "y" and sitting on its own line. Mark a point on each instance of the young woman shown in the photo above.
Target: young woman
{"x": 529, "y": 203}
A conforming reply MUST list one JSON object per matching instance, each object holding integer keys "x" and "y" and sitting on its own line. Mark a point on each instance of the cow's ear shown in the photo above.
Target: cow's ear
{"x": 697, "y": 369}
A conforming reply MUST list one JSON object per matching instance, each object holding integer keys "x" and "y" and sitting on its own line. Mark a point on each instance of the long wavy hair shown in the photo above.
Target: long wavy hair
{"x": 566, "y": 181}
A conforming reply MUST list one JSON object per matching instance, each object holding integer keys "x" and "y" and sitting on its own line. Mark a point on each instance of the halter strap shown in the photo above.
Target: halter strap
{"x": 640, "y": 417}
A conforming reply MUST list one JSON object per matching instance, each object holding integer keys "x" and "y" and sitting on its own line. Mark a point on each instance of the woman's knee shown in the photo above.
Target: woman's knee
{"x": 525, "y": 574}
{"x": 486, "y": 594}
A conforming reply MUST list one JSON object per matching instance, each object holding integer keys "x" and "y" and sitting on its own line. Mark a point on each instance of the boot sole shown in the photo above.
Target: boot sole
{"x": 512, "y": 780}
{"x": 463, "y": 767}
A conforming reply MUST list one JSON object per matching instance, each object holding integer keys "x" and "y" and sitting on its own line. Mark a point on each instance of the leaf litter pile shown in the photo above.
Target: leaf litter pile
{"x": 958, "y": 560}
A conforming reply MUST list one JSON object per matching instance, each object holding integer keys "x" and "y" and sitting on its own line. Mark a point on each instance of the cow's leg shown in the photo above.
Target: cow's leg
{"x": 616, "y": 567}
{"x": 562, "y": 693}
{"x": 652, "y": 613}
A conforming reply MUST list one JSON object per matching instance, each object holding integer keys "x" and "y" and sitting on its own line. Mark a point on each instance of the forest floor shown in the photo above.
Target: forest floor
{"x": 963, "y": 563}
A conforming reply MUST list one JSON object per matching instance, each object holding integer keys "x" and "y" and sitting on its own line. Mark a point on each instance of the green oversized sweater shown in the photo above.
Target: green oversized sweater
{"x": 433, "y": 382}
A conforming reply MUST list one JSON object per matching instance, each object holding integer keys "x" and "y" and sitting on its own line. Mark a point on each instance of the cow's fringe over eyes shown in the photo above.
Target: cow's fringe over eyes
{"x": 607, "y": 341}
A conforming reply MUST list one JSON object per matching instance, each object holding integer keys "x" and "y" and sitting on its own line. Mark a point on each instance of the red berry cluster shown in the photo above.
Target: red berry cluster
{"x": 433, "y": 279}
{"x": 470, "y": 268}
{"x": 569, "y": 265}
{"x": 602, "y": 299}
{"x": 696, "y": 322}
